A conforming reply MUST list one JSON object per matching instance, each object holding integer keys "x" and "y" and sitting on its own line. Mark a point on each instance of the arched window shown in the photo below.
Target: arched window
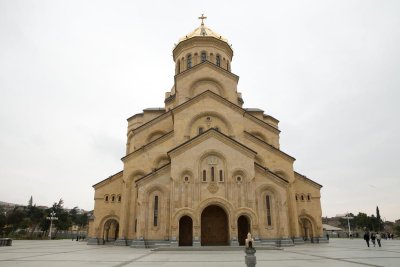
{"x": 268, "y": 205}
{"x": 308, "y": 197}
{"x": 189, "y": 61}
{"x": 204, "y": 175}
{"x": 212, "y": 174}
{"x": 297, "y": 197}
{"x": 112, "y": 198}
{"x": 221, "y": 176}
{"x": 218, "y": 60}
{"x": 302, "y": 198}
{"x": 135, "y": 225}
{"x": 203, "y": 56}
{"x": 186, "y": 179}
{"x": 155, "y": 213}
{"x": 106, "y": 198}
{"x": 119, "y": 198}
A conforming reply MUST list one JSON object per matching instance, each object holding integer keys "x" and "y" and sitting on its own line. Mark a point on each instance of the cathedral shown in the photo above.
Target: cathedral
{"x": 203, "y": 170}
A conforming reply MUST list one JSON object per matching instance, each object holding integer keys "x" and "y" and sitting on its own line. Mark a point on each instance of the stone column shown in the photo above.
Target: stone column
{"x": 124, "y": 215}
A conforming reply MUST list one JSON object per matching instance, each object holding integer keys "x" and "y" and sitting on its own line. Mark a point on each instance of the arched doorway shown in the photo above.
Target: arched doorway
{"x": 214, "y": 227}
{"x": 185, "y": 231}
{"x": 110, "y": 231}
{"x": 306, "y": 229}
{"x": 243, "y": 226}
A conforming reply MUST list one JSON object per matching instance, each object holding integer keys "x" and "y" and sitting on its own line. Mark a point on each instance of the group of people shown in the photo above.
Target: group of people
{"x": 388, "y": 236}
{"x": 373, "y": 237}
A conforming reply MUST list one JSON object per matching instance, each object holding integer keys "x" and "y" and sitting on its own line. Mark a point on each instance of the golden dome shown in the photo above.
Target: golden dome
{"x": 203, "y": 31}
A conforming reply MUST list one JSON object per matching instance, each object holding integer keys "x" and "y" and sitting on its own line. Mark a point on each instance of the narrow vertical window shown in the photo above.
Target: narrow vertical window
{"x": 201, "y": 130}
{"x": 155, "y": 211}
{"x": 189, "y": 61}
{"x": 221, "y": 176}
{"x": 218, "y": 61}
{"x": 228, "y": 67}
{"x": 212, "y": 174}
{"x": 204, "y": 175}
{"x": 203, "y": 56}
{"x": 135, "y": 225}
{"x": 178, "y": 66}
{"x": 268, "y": 204}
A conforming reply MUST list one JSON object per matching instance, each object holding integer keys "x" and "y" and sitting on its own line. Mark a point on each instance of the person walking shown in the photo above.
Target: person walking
{"x": 366, "y": 237}
{"x": 373, "y": 237}
{"x": 378, "y": 239}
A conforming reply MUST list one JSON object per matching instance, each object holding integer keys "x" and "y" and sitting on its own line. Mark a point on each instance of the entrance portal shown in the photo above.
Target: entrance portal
{"x": 214, "y": 227}
{"x": 243, "y": 229}
{"x": 185, "y": 231}
{"x": 110, "y": 232}
{"x": 307, "y": 230}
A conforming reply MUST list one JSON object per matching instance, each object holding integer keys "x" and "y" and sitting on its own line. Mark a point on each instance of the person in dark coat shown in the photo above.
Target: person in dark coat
{"x": 373, "y": 237}
{"x": 366, "y": 238}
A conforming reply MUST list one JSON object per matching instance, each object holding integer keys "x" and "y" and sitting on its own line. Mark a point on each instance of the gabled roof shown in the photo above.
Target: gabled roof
{"x": 109, "y": 179}
{"x": 271, "y": 147}
{"x": 155, "y": 171}
{"x": 271, "y": 173}
{"x": 229, "y": 104}
{"x": 155, "y": 141}
{"x": 216, "y": 96}
{"x": 308, "y": 179}
{"x": 212, "y": 133}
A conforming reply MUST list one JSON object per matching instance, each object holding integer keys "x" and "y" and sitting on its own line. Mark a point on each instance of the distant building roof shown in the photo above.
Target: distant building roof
{"x": 328, "y": 227}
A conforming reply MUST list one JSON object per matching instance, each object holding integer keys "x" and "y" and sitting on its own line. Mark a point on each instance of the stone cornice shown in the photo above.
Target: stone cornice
{"x": 270, "y": 147}
{"x": 109, "y": 179}
{"x": 306, "y": 179}
{"x": 208, "y": 134}
{"x": 156, "y": 141}
{"x": 214, "y": 66}
{"x": 199, "y": 40}
{"x": 265, "y": 170}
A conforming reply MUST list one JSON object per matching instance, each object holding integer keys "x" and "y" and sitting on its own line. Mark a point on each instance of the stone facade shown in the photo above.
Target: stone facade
{"x": 203, "y": 170}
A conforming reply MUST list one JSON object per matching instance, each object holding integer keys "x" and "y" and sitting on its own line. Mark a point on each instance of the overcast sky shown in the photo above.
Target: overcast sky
{"x": 72, "y": 72}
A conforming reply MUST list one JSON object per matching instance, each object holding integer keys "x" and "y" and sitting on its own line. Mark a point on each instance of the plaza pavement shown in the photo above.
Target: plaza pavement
{"x": 59, "y": 253}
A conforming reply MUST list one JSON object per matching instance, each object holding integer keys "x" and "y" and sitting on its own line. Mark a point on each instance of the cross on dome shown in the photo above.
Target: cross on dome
{"x": 202, "y": 19}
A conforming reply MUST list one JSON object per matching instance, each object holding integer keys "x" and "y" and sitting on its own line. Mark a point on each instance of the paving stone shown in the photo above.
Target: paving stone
{"x": 60, "y": 253}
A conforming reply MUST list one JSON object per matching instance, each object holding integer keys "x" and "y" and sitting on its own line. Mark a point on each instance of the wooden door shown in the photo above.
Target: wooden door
{"x": 185, "y": 231}
{"x": 243, "y": 229}
{"x": 214, "y": 227}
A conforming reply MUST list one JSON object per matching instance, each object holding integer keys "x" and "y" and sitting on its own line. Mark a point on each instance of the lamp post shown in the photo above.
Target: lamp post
{"x": 51, "y": 218}
{"x": 348, "y": 221}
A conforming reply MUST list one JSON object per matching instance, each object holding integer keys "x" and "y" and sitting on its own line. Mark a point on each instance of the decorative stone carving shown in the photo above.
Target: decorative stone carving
{"x": 213, "y": 188}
